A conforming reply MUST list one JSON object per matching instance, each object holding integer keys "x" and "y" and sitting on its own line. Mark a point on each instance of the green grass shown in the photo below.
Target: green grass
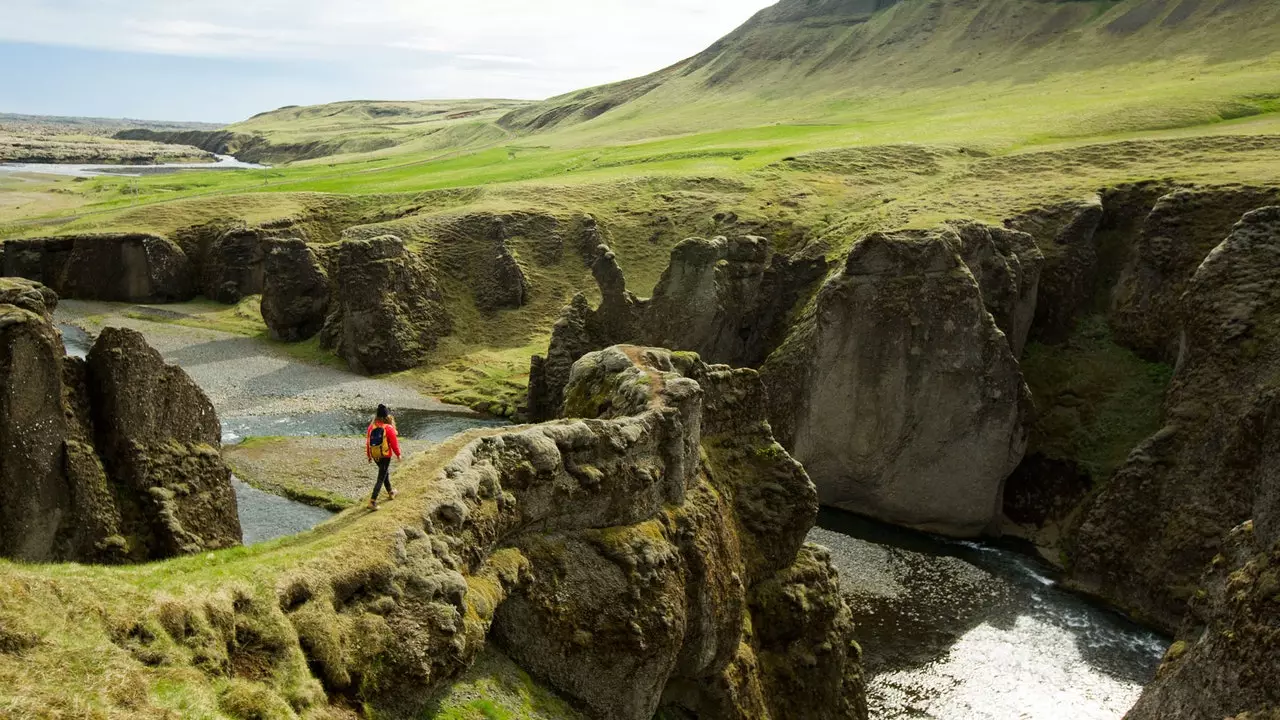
{"x": 1095, "y": 401}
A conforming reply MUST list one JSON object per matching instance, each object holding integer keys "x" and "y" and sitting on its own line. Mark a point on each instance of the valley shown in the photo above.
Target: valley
{"x": 979, "y": 294}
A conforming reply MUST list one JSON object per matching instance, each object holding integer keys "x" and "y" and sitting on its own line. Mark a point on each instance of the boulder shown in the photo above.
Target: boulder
{"x": 109, "y": 460}
{"x": 1174, "y": 239}
{"x": 899, "y": 392}
{"x": 387, "y": 311}
{"x": 1066, "y": 235}
{"x": 234, "y": 265}
{"x": 1144, "y": 539}
{"x": 295, "y": 294}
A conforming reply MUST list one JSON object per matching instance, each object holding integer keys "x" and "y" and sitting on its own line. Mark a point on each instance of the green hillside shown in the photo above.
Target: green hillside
{"x": 814, "y": 122}
{"x": 848, "y": 60}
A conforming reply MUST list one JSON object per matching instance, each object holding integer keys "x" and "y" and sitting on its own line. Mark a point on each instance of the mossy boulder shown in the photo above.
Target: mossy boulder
{"x": 107, "y": 460}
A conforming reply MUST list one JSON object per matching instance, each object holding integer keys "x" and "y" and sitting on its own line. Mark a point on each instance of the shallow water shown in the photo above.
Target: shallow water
{"x": 224, "y": 162}
{"x": 411, "y": 424}
{"x": 967, "y": 630}
{"x": 264, "y": 516}
{"x": 76, "y": 341}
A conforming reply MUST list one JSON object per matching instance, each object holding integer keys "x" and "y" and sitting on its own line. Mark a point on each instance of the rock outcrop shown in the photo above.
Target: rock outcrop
{"x": 727, "y": 299}
{"x": 1145, "y": 538}
{"x": 686, "y": 520}
{"x": 868, "y": 389}
{"x": 112, "y": 459}
{"x": 1176, "y": 236}
{"x": 1006, "y": 264}
{"x": 866, "y": 399}
{"x": 1066, "y": 235}
{"x": 387, "y": 311}
{"x": 296, "y": 290}
{"x": 118, "y": 267}
{"x": 234, "y": 265}
{"x": 1227, "y": 655}
{"x": 648, "y": 557}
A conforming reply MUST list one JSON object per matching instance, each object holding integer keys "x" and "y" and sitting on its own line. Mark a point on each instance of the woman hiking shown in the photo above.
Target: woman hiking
{"x": 381, "y": 442}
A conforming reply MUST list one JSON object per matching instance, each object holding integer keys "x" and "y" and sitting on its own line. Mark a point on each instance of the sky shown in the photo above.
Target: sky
{"x": 226, "y": 60}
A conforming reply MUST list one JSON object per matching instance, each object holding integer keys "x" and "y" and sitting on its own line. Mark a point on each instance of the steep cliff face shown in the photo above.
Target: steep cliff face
{"x": 646, "y": 557}
{"x": 1146, "y": 537}
{"x": 120, "y": 267}
{"x": 110, "y": 459}
{"x": 867, "y": 399}
{"x": 296, "y": 291}
{"x": 899, "y": 345}
{"x": 387, "y": 311}
{"x": 1225, "y": 660}
{"x": 1176, "y": 236}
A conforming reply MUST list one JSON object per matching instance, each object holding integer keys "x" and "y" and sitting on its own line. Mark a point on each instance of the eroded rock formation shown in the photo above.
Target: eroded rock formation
{"x": 1225, "y": 660}
{"x": 869, "y": 389}
{"x": 387, "y": 312}
{"x": 1147, "y": 536}
{"x": 648, "y": 556}
{"x": 920, "y": 328}
{"x": 121, "y": 267}
{"x": 296, "y": 290}
{"x": 110, "y": 459}
{"x": 1175, "y": 237}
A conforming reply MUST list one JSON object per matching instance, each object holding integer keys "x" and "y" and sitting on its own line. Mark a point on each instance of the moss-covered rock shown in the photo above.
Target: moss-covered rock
{"x": 1145, "y": 538}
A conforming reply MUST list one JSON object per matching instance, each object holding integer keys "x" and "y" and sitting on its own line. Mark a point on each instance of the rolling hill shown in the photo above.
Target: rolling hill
{"x": 832, "y": 60}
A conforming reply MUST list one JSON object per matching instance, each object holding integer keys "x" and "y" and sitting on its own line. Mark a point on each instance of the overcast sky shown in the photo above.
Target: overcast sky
{"x": 223, "y": 61}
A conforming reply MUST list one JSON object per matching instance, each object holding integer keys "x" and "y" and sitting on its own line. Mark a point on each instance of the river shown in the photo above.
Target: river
{"x": 968, "y": 630}
{"x": 951, "y": 630}
{"x": 224, "y": 162}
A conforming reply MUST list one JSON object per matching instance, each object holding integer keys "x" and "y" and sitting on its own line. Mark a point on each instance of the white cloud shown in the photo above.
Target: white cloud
{"x": 505, "y": 47}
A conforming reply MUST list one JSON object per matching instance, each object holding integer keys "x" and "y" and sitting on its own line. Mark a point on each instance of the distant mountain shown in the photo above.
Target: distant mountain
{"x": 822, "y": 51}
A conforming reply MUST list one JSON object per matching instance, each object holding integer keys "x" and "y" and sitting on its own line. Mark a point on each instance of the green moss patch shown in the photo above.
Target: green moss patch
{"x": 1094, "y": 400}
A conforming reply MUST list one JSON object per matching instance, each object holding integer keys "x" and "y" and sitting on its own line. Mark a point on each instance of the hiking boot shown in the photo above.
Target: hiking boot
{"x": 391, "y": 495}
{"x": 373, "y": 504}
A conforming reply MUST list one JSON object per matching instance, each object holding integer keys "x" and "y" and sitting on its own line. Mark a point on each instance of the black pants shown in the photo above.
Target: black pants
{"x": 384, "y": 477}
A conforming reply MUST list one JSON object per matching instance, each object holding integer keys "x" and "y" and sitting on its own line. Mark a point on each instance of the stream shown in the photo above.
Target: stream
{"x": 951, "y": 630}
{"x": 971, "y": 630}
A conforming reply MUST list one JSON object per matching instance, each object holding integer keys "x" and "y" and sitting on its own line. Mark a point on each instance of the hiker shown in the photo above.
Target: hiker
{"x": 381, "y": 442}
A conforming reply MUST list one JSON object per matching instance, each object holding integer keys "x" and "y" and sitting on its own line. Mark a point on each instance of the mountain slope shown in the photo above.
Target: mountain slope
{"x": 807, "y": 60}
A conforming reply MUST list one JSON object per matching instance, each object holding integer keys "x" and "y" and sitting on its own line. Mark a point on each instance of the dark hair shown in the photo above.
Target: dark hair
{"x": 382, "y": 412}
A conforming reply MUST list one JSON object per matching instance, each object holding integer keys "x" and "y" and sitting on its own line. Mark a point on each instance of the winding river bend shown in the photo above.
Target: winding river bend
{"x": 950, "y": 630}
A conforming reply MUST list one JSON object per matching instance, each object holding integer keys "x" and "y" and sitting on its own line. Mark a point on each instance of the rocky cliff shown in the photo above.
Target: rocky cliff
{"x": 646, "y": 557}
{"x": 1145, "y": 539}
{"x": 121, "y": 267}
{"x": 867, "y": 400}
{"x": 110, "y": 459}
{"x": 387, "y": 312}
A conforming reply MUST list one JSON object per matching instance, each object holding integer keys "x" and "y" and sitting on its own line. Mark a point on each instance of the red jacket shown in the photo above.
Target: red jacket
{"x": 392, "y": 440}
